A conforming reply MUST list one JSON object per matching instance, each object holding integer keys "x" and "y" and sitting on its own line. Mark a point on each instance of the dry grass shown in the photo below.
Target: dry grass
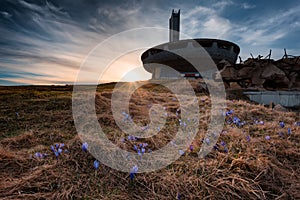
{"x": 255, "y": 169}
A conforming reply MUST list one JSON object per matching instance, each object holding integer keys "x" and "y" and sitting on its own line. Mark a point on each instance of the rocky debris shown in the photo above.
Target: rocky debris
{"x": 257, "y": 73}
{"x": 279, "y": 108}
{"x": 201, "y": 87}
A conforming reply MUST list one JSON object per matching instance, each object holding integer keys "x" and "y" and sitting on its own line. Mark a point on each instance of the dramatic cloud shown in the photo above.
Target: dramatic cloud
{"x": 45, "y": 41}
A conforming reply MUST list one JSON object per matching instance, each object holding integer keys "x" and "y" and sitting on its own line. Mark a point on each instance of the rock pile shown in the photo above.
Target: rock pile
{"x": 257, "y": 73}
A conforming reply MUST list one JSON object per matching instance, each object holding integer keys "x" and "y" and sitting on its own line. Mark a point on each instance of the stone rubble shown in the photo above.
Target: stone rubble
{"x": 268, "y": 74}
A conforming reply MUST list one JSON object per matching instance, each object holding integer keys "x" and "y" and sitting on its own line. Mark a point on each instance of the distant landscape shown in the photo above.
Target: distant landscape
{"x": 257, "y": 155}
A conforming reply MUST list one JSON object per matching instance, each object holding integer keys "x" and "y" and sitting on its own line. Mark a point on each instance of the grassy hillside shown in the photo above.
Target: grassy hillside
{"x": 257, "y": 160}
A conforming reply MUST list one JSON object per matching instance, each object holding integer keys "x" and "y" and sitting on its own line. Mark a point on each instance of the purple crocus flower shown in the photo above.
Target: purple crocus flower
{"x": 39, "y": 155}
{"x": 229, "y": 112}
{"x": 145, "y": 128}
{"x": 139, "y": 152}
{"x": 178, "y": 196}
{"x": 56, "y": 154}
{"x": 191, "y": 148}
{"x": 248, "y": 138}
{"x": 52, "y": 148}
{"x": 57, "y": 149}
{"x": 133, "y": 171}
{"x": 223, "y": 132}
{"x": 236, "y": 120}
{"x": 281, "y": 124}
{"x": 85, "y": 146}
{"x": 223, "y": 143}
{"x": 131, "y": 137}
{"x": 289, "y": 131}
{"x": 145, "y": 144}
{"x": 143, "y": 150}
{"x": 207, "y": 141}
{"x": 225, "y": 149}
{"x": 181, "y": 152}
{"x": 268, "y": 137}
{"x": 131, "y": 175}
{"x": 96, "y": 164}
{"x": 259, "y": 122}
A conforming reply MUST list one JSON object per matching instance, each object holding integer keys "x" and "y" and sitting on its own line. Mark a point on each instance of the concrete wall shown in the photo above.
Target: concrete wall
{"x": 284, "y": 98}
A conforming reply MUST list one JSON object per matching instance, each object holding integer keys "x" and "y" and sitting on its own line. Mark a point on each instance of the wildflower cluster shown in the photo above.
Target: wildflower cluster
{"x": 234, "y": 119}
{"x": 222, "y": 147}
{"x": 127, "y": 117}
{"x": 140, "y": 148}
{"x": 40, "y": 155}
{"x": 57, "y": 149}
{"x": 131, "y": 138}
{"x": 182, "y": 123}
{"x": 281, "y": 133}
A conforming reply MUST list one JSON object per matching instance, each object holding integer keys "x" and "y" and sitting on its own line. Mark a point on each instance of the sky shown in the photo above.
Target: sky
{"x": 46, "y": 42}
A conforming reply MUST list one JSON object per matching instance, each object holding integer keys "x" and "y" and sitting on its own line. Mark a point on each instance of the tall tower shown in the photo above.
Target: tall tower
{"x": 174, "y": 26}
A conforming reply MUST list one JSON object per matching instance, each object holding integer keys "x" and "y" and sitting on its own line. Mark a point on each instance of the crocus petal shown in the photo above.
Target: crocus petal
{"x": 131, "y": 175}
{"x": 207, "y": 141}
{"x": 191, "y": 148}
{"x": 85, "y": 146}
{"x": 96, "y": 164}
{"x": 225, "y": 149}
{"x": 248, "y": 138}
{"x": 52, "y": 148}
{"x": 181, "y": 152}
{"x": 223, "y": 143}
{"x": 289, "y": 131}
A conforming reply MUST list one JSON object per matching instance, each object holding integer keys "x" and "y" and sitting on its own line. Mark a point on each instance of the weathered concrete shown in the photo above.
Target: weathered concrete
{"x": 174, "y": 26}
{"x": 198, "y": 50}
{"x": 284, "y": 98}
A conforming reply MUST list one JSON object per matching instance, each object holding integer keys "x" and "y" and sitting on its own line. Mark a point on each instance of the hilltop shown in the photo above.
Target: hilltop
{"x": 255, "y": 159}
